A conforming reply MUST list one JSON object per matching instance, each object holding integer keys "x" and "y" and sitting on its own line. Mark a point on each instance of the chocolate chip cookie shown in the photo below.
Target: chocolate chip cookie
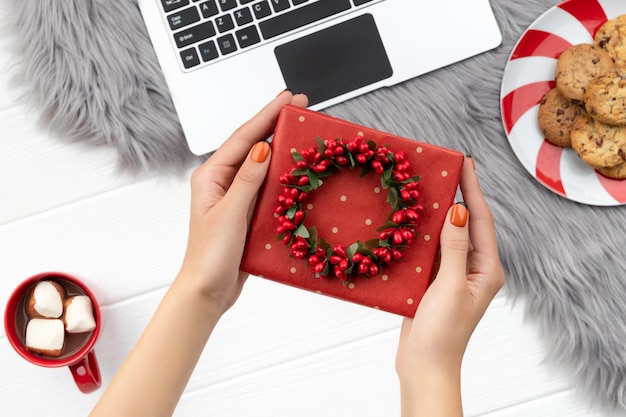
{"x": 617, "y": 172}
{"x": 577, "y": 66}
{"x": 556, "y": 117}
{"x": 598, "y": 144}
{"x": 611, "y": 37}
{"x": 605, "y": 98}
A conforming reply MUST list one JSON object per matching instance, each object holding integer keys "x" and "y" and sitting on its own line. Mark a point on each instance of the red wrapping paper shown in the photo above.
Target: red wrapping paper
{"x": 347, "y": 208}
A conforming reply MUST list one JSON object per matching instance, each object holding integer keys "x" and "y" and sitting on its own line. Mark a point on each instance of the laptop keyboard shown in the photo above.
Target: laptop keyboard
{"x": 207, "y": 31}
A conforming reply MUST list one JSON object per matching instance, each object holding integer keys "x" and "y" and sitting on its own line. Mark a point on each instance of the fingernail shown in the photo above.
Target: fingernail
{"x": 284, "y": 91}
{"x": 260, "y": 150}
{"x": 468, "y": 156}
{"x": 459, "y": 215}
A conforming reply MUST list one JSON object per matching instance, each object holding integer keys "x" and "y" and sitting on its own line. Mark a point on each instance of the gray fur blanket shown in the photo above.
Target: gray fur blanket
{"x": 563, "y": 258}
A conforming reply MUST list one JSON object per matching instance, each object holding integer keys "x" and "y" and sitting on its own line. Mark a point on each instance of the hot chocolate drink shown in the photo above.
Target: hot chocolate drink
{"x": 43, "y": 331}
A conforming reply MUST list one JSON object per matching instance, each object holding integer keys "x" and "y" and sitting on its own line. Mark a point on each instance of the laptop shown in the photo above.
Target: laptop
{"x": 224, "y": 59}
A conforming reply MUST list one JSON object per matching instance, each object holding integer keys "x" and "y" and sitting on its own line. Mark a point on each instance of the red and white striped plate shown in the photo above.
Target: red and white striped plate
{"x": 528, "y": 75}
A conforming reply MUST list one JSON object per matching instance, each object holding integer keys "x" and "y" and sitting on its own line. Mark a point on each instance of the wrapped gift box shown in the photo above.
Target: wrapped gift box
{"x": 348, "y": 207}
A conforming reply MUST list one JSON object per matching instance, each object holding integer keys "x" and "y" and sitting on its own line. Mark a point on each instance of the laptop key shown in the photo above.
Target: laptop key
{"x": 194, "y": 34}
{"x": 183, "y": 18}
{"x": 227, "y": 44}
{"x": 261, "y": 9}
{"x": 208, "y": 51}
{"x": 224, "y": 23}
{"x": 360, "y": 2}
{"x": 170, "y": 5}
{"x": 209, "y": 9}
{"x": 305, "y": 15}
{"x": 227, "y": 5}
{"x": 189, "y": 57}
{"x": 280, "y": 5}
{"x": 297, "y": 2}
{"x": 247, "y": 36}
{"x": 243, "y": 16}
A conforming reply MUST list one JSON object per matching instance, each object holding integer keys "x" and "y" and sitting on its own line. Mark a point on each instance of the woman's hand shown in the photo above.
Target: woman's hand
{"x": 223, "y": 194}
{"x": 432, "y": 344}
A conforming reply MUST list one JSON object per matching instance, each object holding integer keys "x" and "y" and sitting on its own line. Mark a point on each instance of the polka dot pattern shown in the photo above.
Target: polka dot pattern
{"x": 349, "y": 213}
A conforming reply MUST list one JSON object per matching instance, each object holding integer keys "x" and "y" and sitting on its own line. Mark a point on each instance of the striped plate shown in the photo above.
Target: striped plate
{"x": 528, "y": 75}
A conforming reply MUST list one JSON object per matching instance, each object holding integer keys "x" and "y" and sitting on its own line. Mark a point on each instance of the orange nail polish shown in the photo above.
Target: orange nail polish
{"x": 472, "y": 161}
{"x": 284, "y": 91}
{"x": 260, "y": 151}
{"x": 459, "y": 215}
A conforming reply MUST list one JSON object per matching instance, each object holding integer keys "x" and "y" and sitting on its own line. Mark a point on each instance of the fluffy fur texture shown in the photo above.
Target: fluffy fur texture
{"x": 564, "y": 259}
{"x": 90, "y": 70}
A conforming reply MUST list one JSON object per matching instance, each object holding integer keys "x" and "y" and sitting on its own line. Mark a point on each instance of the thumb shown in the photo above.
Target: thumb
{"x": 454, "y": 243}
{"x": 242, "y": 191}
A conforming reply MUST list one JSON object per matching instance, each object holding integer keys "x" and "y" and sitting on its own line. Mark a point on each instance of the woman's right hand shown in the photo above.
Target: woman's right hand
{"x": 433, "y": 343}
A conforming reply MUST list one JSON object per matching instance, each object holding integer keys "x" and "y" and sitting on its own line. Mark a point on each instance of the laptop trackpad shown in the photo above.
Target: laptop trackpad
{"x": 335, "y": 60}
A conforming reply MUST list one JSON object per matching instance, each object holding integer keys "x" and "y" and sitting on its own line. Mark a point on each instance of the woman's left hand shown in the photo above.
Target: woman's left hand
{"x": 223, "y": 195}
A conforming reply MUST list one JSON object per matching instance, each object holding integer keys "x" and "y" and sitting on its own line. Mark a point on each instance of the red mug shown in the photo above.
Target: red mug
{"x": 82, "y": 360}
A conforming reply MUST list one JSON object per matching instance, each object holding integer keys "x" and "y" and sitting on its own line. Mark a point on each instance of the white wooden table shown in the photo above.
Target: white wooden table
{"x": 278, "y": 352}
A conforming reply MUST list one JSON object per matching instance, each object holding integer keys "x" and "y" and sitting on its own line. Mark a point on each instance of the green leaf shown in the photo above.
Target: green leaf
{"x": 313, "y": 238}
{"x": 385, "y": 179}
{"x": 320, "y": 144}
{"x": 324, "y": 174}
{"x": 314, "y": 181}
{"x": 300, "y": 171}
{"x": 367, "y": 168}
{"x": 351, "y": 157}
{"x": 302, "y": 231}
{"x": 387, "y": 225}
{"x": 373, "y": 243}
{"x": 364, "y": 248}
{"x": 393, "y": 197}
{"x": 292, "y": 211}
{"x": 352, "y": 249}
{"x": 296, "y": 156}
{"x": 325, "y": 245}
{"x": 306, "y": 188}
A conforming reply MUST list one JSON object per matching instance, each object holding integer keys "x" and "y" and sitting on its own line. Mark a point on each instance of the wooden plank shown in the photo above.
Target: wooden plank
{"x": 40, "y": 172}
{"x": 566, "y": 403}
{"x": 122, "y": 243}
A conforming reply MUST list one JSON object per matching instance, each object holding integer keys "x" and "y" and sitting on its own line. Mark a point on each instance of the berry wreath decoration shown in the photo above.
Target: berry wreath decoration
{"x": 367, "y": 259}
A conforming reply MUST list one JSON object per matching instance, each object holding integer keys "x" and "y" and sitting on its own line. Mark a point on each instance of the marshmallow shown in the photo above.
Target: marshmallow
{"x": 45, "y": 336}
{"x": 79, "y": 315}
{"x": 46, "y": 300}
